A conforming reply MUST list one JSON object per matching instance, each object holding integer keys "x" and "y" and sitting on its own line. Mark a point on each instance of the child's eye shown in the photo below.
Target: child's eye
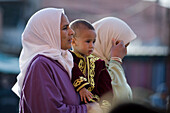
{"x": 94, "y": 41}
{"x": 88, "y": 41}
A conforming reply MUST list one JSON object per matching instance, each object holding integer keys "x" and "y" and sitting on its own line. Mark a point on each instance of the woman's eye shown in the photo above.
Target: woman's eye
{"x": 64, "y": 28}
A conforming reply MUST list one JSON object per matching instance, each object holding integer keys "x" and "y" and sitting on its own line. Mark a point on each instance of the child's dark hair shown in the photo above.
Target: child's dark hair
{"x": 80, "y": 24}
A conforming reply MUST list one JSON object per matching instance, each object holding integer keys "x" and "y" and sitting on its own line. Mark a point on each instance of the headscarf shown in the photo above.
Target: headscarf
{"x": 106, "y": 29}
{"x": 42, "y": 36}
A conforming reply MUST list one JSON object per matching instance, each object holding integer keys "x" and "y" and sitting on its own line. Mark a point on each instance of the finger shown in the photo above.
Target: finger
{"x": 89, "y": 98}
{"x": 81, "y": 98}
{"x": 118, "y": 42}
{"x": 85, "y": 100}
{"x": 90, "y": 94}
{"x": 121, "y": 43}
{"x": 125, "y": 51}
{"x": 127, "y": 44}
{"x": 113, "y": 42}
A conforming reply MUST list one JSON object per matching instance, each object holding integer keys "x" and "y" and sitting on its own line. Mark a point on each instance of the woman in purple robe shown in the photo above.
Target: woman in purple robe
{"x": 43, "y": 84}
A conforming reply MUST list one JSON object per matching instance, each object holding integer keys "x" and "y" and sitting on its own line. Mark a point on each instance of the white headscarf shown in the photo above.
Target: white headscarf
{"x": 42, "y": 36}
{"x": 106, "y": 29}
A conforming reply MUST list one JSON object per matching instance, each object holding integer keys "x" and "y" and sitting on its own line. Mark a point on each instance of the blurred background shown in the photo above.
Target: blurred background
{"x": 147, "y": 65}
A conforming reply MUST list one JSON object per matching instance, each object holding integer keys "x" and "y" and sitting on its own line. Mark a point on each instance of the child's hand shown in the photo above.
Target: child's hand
{"x": 85, "y": 94}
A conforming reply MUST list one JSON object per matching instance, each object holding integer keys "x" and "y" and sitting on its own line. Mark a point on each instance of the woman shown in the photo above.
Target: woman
{"x": 44, "y": 84}
{"x": 107, "y": 29}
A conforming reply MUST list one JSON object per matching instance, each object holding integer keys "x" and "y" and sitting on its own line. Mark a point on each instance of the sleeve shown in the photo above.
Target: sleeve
{"x": 104, "y": 81}
{"x": 42, "y": 95}
{"x": 115, "y": 68}
{"x": 105, "y": 88}
{"x": 78, "y": 79}
{"x": 118, "y": 78}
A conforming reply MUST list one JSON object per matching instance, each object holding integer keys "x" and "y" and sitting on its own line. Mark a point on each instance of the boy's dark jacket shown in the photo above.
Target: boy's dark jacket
{"x": 98, "y": 81}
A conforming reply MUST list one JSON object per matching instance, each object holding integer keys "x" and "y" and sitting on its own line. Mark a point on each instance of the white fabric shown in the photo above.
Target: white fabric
{"x": 106, "y": 29}
{"x": 42, "y": 36}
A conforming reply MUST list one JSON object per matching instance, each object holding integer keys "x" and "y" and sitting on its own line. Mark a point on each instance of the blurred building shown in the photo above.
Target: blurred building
{"x": 11, "y": 28}
{"x": 147, "y": 64}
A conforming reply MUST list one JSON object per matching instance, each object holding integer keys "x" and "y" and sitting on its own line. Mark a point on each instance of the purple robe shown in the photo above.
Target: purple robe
{"x": 47, "y": 89}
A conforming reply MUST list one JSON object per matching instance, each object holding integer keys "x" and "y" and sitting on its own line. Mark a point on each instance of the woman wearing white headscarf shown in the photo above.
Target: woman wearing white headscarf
{"x": 107, "y": 29}
{"x": 43, "y": 84}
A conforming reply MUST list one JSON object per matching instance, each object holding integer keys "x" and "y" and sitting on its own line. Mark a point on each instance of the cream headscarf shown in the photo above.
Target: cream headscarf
{"x": 106, "y": 29}
{"x": 42, "y": 36}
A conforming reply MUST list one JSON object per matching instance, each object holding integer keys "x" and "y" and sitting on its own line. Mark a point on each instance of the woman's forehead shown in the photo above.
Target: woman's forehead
{"x": 64, "y": 20}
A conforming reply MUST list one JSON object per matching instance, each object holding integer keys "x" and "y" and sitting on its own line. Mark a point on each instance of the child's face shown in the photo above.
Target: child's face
{"x": 84, "y": 42}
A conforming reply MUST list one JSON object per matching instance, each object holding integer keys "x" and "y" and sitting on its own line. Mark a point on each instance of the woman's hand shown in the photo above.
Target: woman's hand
{"x": 118, "y": 49}
{"x": 93, "y": 108}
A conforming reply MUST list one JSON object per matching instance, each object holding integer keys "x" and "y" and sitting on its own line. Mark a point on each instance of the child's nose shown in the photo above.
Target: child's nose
{"x": 92, "y": 45}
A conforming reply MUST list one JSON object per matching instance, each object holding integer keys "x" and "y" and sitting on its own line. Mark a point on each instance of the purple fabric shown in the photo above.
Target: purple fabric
{"x": 47, "y": 89}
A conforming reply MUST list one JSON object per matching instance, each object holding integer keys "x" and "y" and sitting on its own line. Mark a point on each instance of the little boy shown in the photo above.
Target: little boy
{"x": 90, "y": 76}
